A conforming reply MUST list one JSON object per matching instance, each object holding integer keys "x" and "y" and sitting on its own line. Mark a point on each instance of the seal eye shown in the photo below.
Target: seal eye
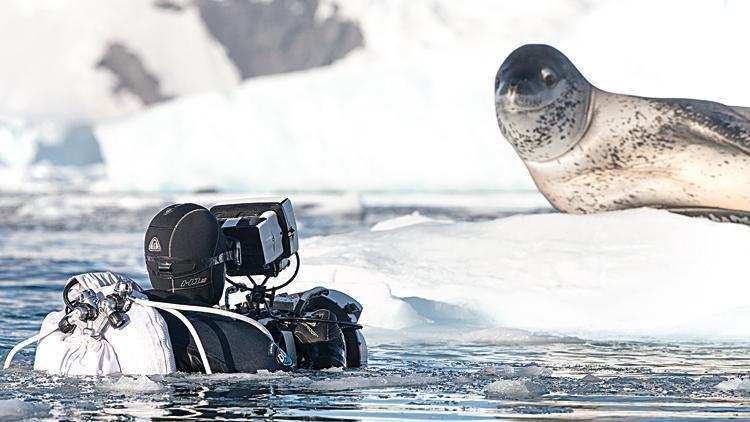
{"x": 549, "y": 77}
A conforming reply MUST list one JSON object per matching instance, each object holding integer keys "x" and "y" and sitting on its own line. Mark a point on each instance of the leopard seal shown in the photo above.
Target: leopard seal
{"x": 589, "y": 150}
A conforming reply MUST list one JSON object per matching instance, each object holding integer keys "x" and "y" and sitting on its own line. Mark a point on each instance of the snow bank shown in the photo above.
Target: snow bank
{"x": 17, "y": 410}
{"x": 637, "y": 274}
{"x": 413, "y": 110}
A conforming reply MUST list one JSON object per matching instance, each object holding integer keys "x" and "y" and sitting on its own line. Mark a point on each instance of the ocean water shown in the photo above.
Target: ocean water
{"x": 46, "y": 238}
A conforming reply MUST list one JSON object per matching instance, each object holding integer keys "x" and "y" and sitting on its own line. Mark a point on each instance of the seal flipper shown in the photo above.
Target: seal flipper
{"x": 711, "y": 122}
{"x": 719, "y": 215}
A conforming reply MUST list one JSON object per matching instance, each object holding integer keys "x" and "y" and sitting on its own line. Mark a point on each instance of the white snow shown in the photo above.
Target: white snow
{"x": 413, "y": 109}
{"x": 351, "y": 127}
{"x": 405, "y": 221}
{"x": 51, "y": 48}
{"x": 637, "y": 274}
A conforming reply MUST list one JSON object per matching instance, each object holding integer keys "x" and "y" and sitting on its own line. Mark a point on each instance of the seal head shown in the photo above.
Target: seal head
{"x": 542, "y": 102}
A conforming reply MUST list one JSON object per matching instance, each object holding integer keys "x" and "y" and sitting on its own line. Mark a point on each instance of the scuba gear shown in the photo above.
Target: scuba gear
{"x": 110, "y": 325}
{"x": 184, "y": 249}
{"x": 101, "y": 331}
{"x": 89, "y": 307}
{"x": 230, "y": 345}
{"x": 97, "y": 346}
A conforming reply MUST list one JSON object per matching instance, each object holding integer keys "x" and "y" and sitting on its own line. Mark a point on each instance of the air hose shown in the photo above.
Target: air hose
{"x": 17, "y": 348}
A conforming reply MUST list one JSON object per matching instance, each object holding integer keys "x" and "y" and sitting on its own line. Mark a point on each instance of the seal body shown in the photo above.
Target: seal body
{"x": 616, "y": 151}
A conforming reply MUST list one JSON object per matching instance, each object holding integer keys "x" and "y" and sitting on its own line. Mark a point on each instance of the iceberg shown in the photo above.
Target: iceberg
{"x": 412, "y": 109}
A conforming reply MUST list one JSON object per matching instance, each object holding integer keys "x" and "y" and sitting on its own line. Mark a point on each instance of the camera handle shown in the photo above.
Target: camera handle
{"x": 259, "y": 294}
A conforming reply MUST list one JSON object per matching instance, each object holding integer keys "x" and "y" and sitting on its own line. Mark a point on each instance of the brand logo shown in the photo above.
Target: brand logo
{"x": 192, "y": 282}
{"x": 154, "y": 245}
{"x": 283, "y": 359}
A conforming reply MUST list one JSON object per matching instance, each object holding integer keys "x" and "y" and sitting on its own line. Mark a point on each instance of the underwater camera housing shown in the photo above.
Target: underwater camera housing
{"x": 265, "y": 232}
{"x": 266, "y": 237}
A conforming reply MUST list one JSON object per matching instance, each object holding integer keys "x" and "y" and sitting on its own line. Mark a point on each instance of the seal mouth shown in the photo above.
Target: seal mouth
{"x": 514, "y": 103}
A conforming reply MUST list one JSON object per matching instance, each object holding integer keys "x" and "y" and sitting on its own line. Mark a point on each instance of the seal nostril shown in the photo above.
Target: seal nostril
{"x": 503, "y": 88}
{"x": 509, "y": 87}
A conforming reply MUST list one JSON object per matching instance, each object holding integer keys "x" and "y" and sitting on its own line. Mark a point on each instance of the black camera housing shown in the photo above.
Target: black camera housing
{"x": 266, "y": 230}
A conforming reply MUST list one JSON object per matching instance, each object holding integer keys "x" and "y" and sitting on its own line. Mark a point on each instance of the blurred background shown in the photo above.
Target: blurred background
{"x": 318, "y": 95}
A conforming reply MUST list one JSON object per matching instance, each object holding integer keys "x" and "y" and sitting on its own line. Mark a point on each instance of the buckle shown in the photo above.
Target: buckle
{"x": 165, "y": 266}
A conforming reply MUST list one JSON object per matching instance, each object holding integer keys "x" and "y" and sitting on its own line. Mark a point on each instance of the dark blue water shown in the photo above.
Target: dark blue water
{"x": 554, "y": 378}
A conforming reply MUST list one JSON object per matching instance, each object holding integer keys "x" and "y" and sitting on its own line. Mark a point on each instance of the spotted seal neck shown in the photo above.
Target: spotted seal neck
{"x": 556, "y": 128}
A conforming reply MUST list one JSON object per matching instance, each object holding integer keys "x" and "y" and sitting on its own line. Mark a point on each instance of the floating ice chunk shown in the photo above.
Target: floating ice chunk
{"x": 347, "y": 383}
{"x": 16, "y": 410}
{"x": 734, "y": 384}
{"x": 589, "y": 378}
{"x": 125, "y": 384}
{"x": 633, "y": 274}
{"x": 514, "y": 389}
{"x": 508, "y": 371}
{"x": 406, "y": 221}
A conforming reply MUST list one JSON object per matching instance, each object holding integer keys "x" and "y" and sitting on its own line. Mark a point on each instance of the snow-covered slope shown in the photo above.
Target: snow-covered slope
{"x": 634, "y": 274}
{"x": 88, "y": 60}
{"x": 50, "y": 51}
{"x": 410, "y": 110}
{"x": 413, "y": 110}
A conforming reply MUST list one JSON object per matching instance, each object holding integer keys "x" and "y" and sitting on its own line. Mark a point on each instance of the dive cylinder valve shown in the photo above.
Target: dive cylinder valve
{"x": 92, "y": 312}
